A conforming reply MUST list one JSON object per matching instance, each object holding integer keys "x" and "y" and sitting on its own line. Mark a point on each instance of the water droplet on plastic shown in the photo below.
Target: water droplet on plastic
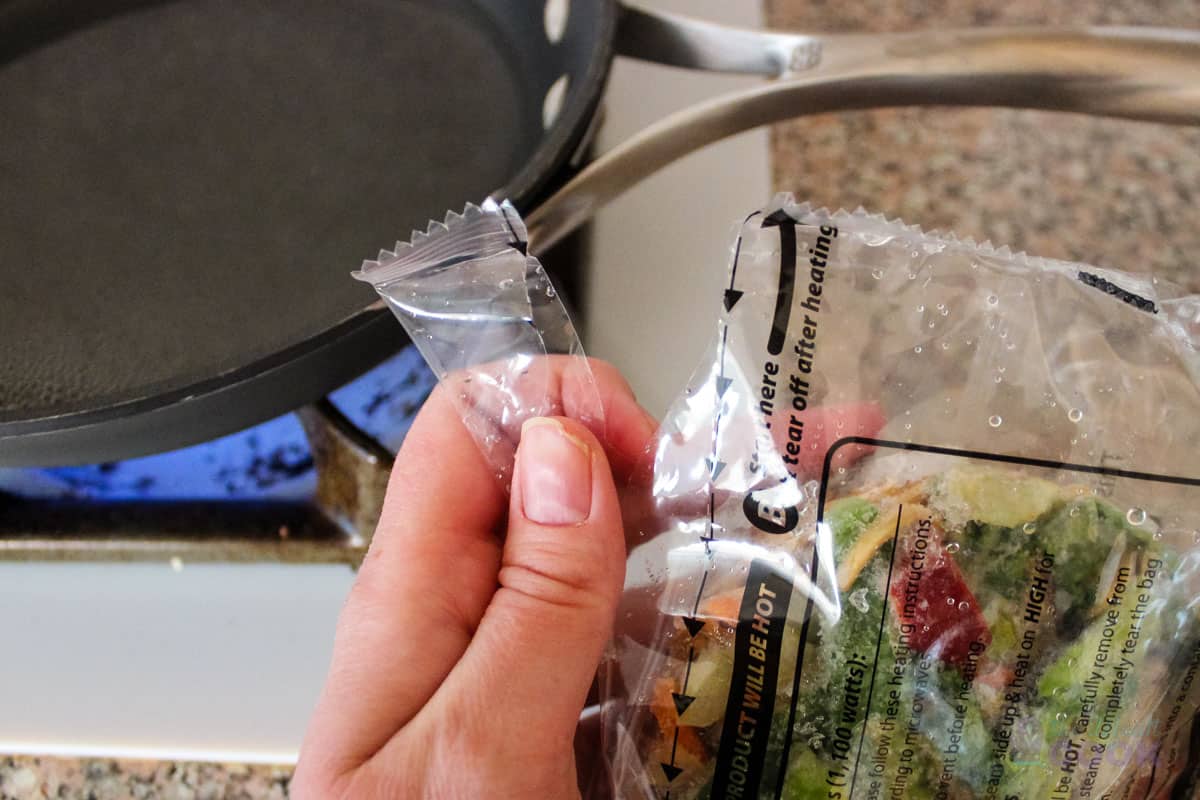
{"x": 1029, "y": 527}
{"x": 1001, "y": 370}
{"x": 1135, "y": 516}
{"x": 921, "y": 309}
{"x": 1075, "y": 414}
{"x": 995, "y": 421}
{"x": 964, "y": 606}
{"x": 841, "y": 470}
{"x": 952, "y": 547}
{"x": 877, "y": 274}
{"x": 1060, "y": 716}
{"x": 912, "y": 276}
{"x": 1157, "y": 536}
{"x": 949, "y": 601}
{"x": 999, "y": 379}
{"x": 917, "y": 349}
{"x": 992, "y": 300}
{"x": 1074, "y": 512}
{"x": 945, "y": 345}
{"x": 908, "y": 426}
{"x": 1196, "y": 537}
{"x": 858, "y": 599}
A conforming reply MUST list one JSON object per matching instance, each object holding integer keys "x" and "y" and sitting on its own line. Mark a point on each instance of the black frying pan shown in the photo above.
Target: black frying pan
{"x": 186, "y": 184}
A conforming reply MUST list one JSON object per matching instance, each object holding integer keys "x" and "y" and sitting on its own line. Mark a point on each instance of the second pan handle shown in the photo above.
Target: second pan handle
{"x": 680, "y": 41}
{"x": 1134, "y": 73}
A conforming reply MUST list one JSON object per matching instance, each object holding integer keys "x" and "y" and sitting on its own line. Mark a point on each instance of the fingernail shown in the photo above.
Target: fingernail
{"x": 555, "y": 470}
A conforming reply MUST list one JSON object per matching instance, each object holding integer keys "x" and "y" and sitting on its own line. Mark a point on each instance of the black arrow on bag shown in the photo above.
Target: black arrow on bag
{"x": 682, "y": 698}
{"x": 732, "y": 295}
{"x": 682, "y": 701}
{"x": 669, "y": 769}
{"x": 715, "y": 467}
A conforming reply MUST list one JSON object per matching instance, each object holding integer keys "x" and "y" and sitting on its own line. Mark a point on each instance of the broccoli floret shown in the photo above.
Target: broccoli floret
{"x": 995, "y": 559}
{"x": 1081, "y": 536}
{"x": 847, "y": 518}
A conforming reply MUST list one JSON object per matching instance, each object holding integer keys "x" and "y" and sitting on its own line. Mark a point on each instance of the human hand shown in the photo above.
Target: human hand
{"x": 468, "y": 644}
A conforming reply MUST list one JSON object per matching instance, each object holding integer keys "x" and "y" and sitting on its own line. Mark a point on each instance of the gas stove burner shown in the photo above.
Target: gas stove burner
{"x": 304, "y": 486}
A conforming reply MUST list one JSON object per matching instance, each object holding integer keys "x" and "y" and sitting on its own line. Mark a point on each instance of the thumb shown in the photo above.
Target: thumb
{"x": 535, "y": 653}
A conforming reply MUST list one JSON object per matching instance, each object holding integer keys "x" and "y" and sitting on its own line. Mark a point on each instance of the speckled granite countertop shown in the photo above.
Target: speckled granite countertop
{"x": 1117, "y": 194}
{"x": 89, "y": 779}
{"x": 1107, "y": 192}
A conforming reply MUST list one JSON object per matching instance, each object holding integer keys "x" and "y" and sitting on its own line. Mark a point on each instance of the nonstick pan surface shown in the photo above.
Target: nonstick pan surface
{"x": 183, "y": 184}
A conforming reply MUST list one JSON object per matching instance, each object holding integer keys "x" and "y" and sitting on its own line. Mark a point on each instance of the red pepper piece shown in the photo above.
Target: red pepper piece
{"x": 929, "y": 593}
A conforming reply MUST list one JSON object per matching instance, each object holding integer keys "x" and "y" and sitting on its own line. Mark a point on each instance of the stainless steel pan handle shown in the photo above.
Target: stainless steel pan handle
{"x": 1134, "y": 73}
{"x": 696, "y": 44}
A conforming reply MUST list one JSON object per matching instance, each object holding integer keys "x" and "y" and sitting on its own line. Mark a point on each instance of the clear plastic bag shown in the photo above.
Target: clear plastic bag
{"x": 926, "y": 520}
{"x": 930, "y": 524}
{"x": 485, "y": 316}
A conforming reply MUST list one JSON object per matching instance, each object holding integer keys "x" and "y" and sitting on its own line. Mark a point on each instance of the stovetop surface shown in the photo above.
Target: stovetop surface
{"x": 272, "y": 461}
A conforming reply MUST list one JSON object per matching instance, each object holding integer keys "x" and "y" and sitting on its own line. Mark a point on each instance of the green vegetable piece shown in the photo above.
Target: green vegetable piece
{"x": 806, "y": 777}
{"x": 1081, "y": 535}
{"x": 993, "y": 497}
{"x": 848, "y": 518}
{"x": 1023, "y": 779}
{"x": 995, "y": 560}
{"x": 1005, "y": 636}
